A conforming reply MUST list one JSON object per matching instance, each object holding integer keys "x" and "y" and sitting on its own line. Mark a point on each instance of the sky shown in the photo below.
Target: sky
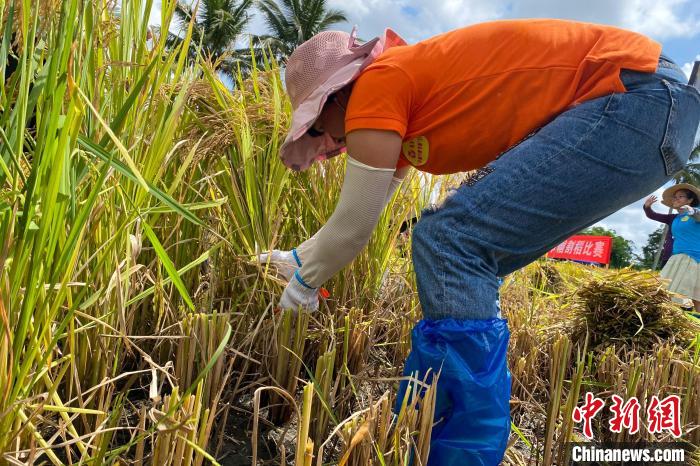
{"x": 674, "y": 23}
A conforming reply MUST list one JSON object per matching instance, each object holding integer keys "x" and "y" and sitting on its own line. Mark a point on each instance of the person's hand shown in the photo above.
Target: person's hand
{"x": 285, "y": 262}
{"x": 650, "y": 200}
{"x": 298, "y": 296}
{"x": 686, "y": 209}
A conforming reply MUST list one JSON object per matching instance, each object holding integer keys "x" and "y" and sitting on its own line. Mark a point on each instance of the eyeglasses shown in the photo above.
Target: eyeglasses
{"x": 313, "y": 132}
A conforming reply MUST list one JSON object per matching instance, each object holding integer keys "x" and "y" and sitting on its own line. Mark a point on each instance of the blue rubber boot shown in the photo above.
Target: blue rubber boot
{"x": 472, "y": 411}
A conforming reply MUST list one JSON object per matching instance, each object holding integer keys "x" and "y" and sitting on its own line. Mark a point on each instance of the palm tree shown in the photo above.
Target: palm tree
{"x": 218, "y": 24}
{"x": 292, "y": 22}
{"x": 691, "y": 172}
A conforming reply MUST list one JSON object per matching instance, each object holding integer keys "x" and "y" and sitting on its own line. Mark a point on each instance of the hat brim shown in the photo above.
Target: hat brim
{"x": 667, "y": 196}
{"x": 300, "y": 154}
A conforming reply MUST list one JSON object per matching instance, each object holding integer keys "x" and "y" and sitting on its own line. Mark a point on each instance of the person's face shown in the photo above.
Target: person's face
{"x": 680, "y": 198}
{"x": 331, "y": 121}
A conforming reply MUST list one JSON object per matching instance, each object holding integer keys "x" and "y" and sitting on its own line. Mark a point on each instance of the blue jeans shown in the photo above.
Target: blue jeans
{"x": 588, "y": 162}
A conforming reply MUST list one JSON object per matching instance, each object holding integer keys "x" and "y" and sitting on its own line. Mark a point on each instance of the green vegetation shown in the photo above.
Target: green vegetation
{"x": 137, "y": 327}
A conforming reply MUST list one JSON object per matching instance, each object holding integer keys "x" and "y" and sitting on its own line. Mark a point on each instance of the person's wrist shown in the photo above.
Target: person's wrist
{"x": 302, "y": 283}
{"x": 295, "y": 256}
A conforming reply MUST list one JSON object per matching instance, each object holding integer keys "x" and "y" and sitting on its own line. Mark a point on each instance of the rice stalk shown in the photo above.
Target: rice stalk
{"x": 323, "y": 384}
{"x": 303, "y": 441}
{"x": 290, "y": 343}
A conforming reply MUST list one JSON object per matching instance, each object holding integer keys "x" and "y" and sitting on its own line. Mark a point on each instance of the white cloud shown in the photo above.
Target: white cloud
{"x": 599, "y": 11}
{"x": 154, "y": 18}
{"x": 660, "y": 18}
{"x": 631, "y": 223}
{"x": 417, "y": 19}
{"x": 688, "y": 67}
{"x": 373, "y": 16}
{"x": 452, "y": 14}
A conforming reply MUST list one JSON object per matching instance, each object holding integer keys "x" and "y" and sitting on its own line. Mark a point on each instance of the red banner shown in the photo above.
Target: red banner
{"x": 584, "y": 248}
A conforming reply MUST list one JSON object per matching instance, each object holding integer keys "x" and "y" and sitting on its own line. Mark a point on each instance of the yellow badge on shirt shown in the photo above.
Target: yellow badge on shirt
{"x": 684, "y": 219}
{"x": 416, "y": 150}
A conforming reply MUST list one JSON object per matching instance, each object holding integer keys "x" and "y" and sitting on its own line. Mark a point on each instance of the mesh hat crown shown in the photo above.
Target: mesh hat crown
{"x": 316, "y": 60}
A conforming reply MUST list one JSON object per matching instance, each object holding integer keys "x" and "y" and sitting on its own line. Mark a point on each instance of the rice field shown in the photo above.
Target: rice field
{"x": 138, "y": 327}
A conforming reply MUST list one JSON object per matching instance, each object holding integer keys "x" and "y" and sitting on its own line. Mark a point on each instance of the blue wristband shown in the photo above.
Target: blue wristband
{"x": 301, "y": 280}
{"x": 296, "y": 257}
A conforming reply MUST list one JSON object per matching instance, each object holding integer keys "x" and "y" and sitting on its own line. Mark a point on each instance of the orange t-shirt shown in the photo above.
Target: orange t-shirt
{"x": 460, "y": 99}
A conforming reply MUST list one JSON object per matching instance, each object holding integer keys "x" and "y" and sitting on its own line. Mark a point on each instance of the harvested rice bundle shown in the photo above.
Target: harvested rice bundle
{"x": 545, "y": 277}
{"x": 628, "y": 307}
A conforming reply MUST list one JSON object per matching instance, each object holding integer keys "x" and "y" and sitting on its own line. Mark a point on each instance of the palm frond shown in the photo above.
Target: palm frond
{"x": 275, "y": 20}
{"x": 695, "y": 154}
{"x": 218, "y": 25}
{"x": 183, "y": 14}
{"x": 292, "y": 22}
{"x": 332, "y": 17}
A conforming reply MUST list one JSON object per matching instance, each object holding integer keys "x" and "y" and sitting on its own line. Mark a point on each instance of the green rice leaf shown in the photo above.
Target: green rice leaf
{"x": 167, "y": 281}
{"x": 120, "y": 118}
{"x": 168, "y": 264}
{"x": 98, "y": 151}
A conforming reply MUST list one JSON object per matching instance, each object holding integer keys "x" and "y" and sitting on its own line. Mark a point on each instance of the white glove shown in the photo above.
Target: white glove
{"x": 284, "y": 261}
{"x": 287, "y": 262}
{"x": 297, "y": 294}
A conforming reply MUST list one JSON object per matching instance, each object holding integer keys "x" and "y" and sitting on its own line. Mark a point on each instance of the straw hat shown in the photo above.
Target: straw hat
{"x": 667, "y": 196}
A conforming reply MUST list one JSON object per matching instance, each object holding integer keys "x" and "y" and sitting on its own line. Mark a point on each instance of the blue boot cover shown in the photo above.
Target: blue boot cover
{"x": 472, "y": 410}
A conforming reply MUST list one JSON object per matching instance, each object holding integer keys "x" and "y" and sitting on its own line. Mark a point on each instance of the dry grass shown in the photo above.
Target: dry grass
{"x": 629, "y": 308}
{"x": 554, "y": 361}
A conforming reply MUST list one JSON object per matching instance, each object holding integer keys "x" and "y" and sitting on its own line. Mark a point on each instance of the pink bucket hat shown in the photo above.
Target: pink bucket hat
{"x": 315, "y": 70}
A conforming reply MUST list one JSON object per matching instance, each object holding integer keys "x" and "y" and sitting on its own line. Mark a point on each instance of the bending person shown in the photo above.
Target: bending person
{"x": 567, "y": 122}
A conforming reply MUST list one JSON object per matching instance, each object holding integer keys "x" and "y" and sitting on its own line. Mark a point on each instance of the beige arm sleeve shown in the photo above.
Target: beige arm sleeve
{"x": 349, "y": 228}
{"x": 304, "y": 249}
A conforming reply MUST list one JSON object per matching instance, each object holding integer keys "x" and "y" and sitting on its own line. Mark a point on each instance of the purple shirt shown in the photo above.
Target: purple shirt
{"x": 667, "y": 251}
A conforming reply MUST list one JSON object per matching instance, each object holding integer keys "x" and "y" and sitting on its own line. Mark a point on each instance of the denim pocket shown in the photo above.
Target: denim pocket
{"x": 681, "y": 126}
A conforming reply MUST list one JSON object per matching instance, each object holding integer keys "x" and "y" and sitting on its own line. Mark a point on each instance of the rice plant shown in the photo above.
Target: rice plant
{"x": 137, "y": 326}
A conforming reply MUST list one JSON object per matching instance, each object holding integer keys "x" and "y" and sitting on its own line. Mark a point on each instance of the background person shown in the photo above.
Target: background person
{"x": 667, "y": 249}
{"x": 683, "y": 268}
